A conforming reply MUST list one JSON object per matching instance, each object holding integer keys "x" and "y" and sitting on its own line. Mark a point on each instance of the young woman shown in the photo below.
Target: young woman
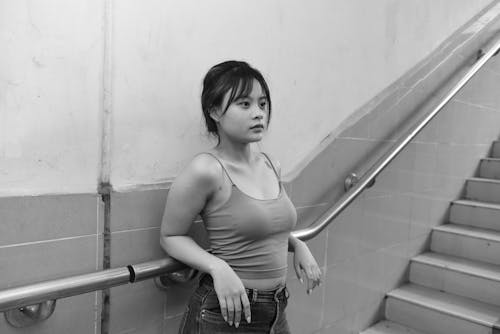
{"x": 244, "y": 207}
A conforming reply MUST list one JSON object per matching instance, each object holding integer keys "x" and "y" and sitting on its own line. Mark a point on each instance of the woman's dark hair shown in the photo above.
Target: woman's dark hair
{"x": 231, "y": 76}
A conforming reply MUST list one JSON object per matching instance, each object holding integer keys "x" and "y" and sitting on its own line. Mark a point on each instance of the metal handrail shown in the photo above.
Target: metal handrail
{"x": 370, "y": 175}
{"x": 19, "y": 297}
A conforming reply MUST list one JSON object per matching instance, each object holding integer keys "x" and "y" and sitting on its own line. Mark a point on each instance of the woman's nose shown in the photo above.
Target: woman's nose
{"x": 259, "y": 114}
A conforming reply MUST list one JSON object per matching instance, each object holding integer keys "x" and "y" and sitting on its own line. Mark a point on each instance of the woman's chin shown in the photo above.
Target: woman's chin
{"x": 257, "y": 138}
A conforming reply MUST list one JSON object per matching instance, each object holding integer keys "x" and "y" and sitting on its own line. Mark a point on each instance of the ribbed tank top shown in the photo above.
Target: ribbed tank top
{"x": 251, "y": 234}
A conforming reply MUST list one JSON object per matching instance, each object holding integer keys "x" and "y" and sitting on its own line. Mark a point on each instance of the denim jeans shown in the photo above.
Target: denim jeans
{"x": 203, "y": 315}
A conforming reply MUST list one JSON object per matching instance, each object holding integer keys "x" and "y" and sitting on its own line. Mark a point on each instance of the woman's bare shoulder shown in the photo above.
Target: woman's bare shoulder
{"x": 203, "y": 169}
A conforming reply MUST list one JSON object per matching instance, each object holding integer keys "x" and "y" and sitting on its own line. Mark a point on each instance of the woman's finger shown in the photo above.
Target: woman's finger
{"x": 246, "y": 307}
{"x": 223, "y": 308}
{"x": 308, "y": 283}
{"x": 310, "y": 273}
{"x": 318, "y": 271}
{"x": 230, "y": 310}
{"x": 237, "y": 310}
{"x": 299, "y": 274}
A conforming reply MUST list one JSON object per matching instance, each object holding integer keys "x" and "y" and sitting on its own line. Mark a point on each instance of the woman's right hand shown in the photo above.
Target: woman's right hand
{"x": 231, "y": 294}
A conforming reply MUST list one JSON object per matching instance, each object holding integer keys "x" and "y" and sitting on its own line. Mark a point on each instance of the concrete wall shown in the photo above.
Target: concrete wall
{"x": 70, "y": 69}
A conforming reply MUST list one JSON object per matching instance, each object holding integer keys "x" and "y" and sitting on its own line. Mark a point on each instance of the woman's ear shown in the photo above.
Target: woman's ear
{"x": 215, "y": 114}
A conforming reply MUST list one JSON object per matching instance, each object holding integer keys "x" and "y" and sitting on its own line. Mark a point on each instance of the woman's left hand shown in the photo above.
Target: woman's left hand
{"x": 303, "y": 260}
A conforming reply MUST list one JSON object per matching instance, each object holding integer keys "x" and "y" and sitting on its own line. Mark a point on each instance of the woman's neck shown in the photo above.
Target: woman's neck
{"x": 236, "y": 152}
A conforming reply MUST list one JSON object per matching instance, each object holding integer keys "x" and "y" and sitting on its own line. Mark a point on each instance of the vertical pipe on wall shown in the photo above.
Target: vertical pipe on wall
{"x": 105, "y": 187}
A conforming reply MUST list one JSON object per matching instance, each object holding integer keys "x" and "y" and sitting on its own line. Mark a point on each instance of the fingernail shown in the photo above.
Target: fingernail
{"x": 301, "y": 280}
{"x": 230, "y": 323}
{"x": 248, "y": 319}
{"x": 225, "y": 318}
{"x": 236, "y": 324}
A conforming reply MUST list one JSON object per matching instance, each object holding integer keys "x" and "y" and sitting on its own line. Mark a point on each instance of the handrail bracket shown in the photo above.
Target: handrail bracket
{"x": 30, "y": 315}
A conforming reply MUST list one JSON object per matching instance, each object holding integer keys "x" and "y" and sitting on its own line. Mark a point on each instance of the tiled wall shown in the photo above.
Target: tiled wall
{"x": 47, "y": 237}
{"x": 363, "y": 254}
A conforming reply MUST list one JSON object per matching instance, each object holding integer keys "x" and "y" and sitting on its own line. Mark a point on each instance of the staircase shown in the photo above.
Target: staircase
{"x": 455, "y": 287}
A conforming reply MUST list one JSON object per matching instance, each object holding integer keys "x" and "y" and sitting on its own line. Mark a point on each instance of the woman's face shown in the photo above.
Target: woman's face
{"x": 246, "y": 118}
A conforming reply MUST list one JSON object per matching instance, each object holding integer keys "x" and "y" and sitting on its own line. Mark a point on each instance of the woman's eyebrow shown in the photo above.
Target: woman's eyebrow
{"x": 262, "y": 97}
{"x": 242, "y": 97}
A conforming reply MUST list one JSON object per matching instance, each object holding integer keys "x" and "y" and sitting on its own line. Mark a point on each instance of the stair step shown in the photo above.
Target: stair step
{"x": 467, "y": 242}
{"x": 458, "y": 276}
{"x": 495, "y": 152}
{"x": 477, "y": 214}
{"x": 490, "y": 168}
{"x": 436, "y": 312}
{"x": 389, "y": 327}
{"x": 481, "y": 189}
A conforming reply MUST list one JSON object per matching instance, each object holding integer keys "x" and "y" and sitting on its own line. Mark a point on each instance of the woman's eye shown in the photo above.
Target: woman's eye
{"x": 263, "y": 105}
{"x": 245, "y": 104}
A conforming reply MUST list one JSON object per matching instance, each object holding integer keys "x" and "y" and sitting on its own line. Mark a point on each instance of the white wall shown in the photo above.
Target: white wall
{"x": 323, "y": 59}
{"x": 50, "y": 87}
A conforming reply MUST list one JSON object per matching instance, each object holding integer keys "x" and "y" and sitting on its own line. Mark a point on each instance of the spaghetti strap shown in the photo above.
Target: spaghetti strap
{"x": 222, "y": 165}
{"x": 272, "y": 165}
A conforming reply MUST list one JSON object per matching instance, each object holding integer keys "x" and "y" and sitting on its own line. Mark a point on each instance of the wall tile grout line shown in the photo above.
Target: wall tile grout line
{"x": 45, "y": 241}
{"x": 480, "y": 106}
{"x": 136, "y": 230}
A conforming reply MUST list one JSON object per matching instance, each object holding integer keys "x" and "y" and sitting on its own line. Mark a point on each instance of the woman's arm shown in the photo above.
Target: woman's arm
{"x": 304, "y": 261}
{"x": 187, "y": 197}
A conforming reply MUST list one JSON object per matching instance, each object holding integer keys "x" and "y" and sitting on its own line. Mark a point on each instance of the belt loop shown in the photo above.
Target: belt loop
{"x": 278, "y": 291}
{"x": 254, "y": 295}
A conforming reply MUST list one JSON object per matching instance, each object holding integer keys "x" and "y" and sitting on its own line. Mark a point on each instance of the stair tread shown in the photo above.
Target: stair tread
{"x": 390, "y": 327}
{"x": 461, "y": 307}
{"x": 454, "y": 263}
{"x": 471, "y": 231}
{"x": 491, "y": 159}
{"x": 474, "y": 203}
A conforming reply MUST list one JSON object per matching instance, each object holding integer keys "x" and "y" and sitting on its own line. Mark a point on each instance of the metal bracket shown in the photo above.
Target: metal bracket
{"x": 31, "y": 314}
{"x": 352, "y": 179}
{"x": 174, "y": 278}
{"x": 480, "y": 53}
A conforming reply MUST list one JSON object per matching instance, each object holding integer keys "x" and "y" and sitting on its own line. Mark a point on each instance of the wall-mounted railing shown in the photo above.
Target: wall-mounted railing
{"x": 36, "y": 302}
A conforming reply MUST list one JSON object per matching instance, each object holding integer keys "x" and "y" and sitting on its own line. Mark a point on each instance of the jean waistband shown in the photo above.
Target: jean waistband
{"x": 253, "y": 294}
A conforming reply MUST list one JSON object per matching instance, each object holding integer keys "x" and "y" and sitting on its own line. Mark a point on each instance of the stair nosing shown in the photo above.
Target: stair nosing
{"x": 475, "y": 203}
{"x": 494, "y": 233}
{"x": 492, "y": 275}
{"x": 441, "y": 310}
{"x": 381, "y": 323}
{"x": 491, "y": 159}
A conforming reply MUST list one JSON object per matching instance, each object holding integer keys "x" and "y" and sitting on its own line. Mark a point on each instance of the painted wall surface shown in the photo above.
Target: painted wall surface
{"x": 50, "y": 75}
{"x": 323, "y": 60}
